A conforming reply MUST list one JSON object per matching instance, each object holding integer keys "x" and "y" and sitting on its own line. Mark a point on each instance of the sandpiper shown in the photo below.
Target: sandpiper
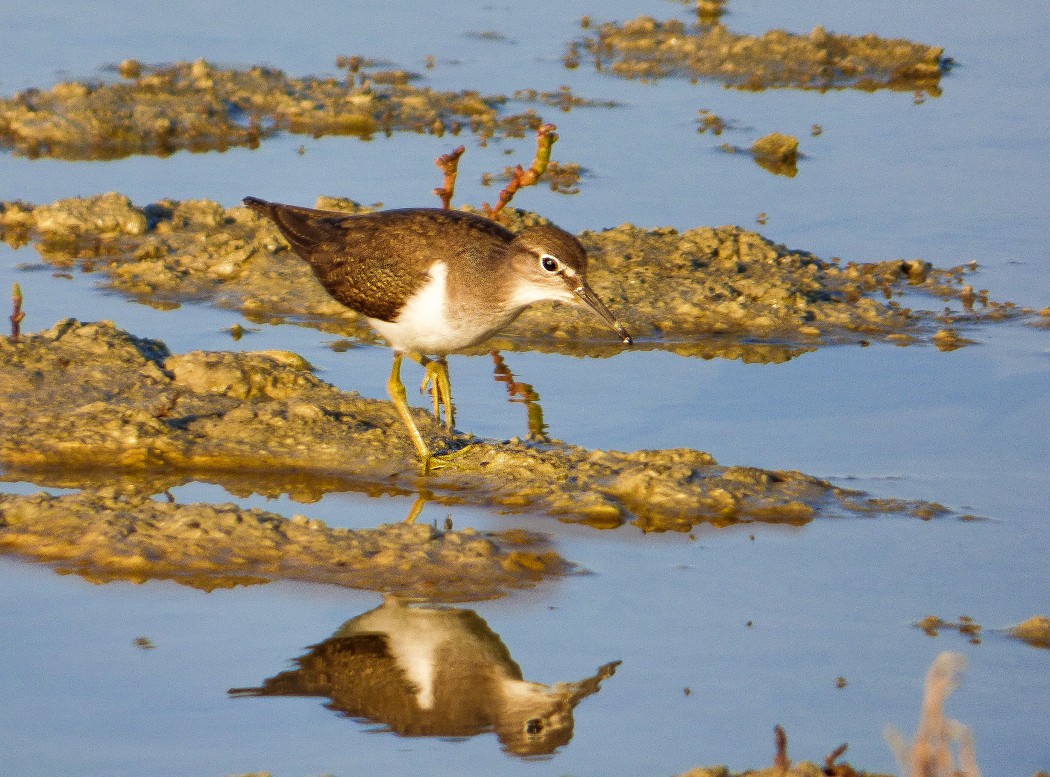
{"x": 432, "y": 282}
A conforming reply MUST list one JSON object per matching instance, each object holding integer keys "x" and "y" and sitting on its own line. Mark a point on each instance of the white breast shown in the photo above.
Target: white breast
{"x": 425, "y": 326}
{"x": 423, "y": 322}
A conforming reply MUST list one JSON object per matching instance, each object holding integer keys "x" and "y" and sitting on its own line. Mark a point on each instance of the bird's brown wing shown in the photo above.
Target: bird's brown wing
{"x": 353, "y": 256}
{"x": 374, "y": 262}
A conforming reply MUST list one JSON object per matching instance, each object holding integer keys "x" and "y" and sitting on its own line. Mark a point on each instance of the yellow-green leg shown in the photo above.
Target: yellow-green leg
{"x": 396, "y": 389}
{"x": 441, "y": 388}
{"x": 417, "y": 508}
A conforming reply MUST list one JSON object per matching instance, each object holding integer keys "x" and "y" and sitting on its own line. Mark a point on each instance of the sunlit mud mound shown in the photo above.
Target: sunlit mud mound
{"x": 90, "y": 397}
{"x": 645, "y": 48}
{"x": 108, "y": 534}
{"x": 1035, "y": 631}
{"x": 721, "y": 291}
{"x": 201, "y": 107}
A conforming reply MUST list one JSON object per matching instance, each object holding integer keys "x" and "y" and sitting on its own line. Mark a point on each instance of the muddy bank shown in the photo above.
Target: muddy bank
{"x": 1035, "y": 631}
{"x": 90, "y": 396}
{"x": 801, "y": 769}
{"x": 110, "y": 534}
{"x": 645, "y": 48}
{"x": 706, "y": 291}
{"x": 201, "y": 107}
{"x": 198, "y": 106}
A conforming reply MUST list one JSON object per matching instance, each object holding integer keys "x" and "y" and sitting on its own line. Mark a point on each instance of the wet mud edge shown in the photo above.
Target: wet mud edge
{"x": 91, "y": 407}
{"x": 711, "y": 292}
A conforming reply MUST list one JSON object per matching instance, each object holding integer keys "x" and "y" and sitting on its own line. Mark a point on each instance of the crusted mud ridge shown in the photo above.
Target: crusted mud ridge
{"x": 82, "y": 400}
{"x": 646, "y": 48}
{"x": 705, "y": 291}
{"x": 201, "y": 107}
{"x": 106, "y": 534}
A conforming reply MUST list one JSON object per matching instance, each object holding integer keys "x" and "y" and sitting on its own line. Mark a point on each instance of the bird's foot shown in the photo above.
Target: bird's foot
{"x": 437, "y": 379}
{"x": 448, "y": 458}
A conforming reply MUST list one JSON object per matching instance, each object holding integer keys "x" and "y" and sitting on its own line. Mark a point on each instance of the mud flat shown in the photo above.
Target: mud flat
{"x": 645, "y": 48}
{"x": 198, "y": 106}
{"x": 107, "y": 534}
{"x": 89, "y": 396}
{"x": 705, "y": 291}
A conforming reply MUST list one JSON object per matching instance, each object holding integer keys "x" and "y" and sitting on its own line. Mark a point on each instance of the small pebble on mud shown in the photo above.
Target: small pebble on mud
{"x": 777, "y": 153}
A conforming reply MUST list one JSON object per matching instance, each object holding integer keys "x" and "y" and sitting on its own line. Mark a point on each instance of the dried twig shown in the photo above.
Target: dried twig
{"x": 830, "y": 767}
{"x": 353, "y": 66}
{"x": 17, "y": 315}
{"x": 930, "y": 754}
{"x": 545, "y": 139}
{"x": 448, "y": 164}
{"x": 781, "y": 762}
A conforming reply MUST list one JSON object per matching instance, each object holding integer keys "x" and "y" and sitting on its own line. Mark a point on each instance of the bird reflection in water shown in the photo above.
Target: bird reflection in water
{"x": 430, "y": 671}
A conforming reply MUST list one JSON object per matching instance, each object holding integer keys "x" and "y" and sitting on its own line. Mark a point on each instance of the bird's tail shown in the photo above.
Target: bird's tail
{"x": 303, "y": 228}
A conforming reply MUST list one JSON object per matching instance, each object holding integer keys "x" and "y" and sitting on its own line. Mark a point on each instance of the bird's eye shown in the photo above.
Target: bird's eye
{"x": 549, "y": 263}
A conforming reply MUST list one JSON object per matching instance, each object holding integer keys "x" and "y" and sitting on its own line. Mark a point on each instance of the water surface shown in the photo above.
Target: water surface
{"x": 957, "y": 178}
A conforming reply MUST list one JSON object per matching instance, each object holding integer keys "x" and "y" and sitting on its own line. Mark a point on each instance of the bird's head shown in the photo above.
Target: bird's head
{"x": 551, "y": 264}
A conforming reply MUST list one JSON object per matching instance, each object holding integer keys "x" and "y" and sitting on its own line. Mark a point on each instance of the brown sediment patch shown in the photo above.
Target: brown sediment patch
{"x": 109, "y": 534}
{"x": 1035, "y": 631}
{"x": 705, "y": 291}
{"x": 91, "y": 397}
{"x": 645, "y": 48}
{"x": 932, "y": 625}
{"x": 707, "y": 121}
{"x": 562, "y": 98}
{"x": 201, "y": 107}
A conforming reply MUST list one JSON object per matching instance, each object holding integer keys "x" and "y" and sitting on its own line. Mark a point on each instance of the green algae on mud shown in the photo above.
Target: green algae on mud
{"x": 645, "y": 48}
{"x": 705, "y": 291}
{"x": 83, "y": 397}
{"x": 117, "y": 534}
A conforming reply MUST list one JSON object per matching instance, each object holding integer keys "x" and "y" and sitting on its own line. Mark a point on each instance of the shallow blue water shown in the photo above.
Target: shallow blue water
{"x": 961, "y": 177}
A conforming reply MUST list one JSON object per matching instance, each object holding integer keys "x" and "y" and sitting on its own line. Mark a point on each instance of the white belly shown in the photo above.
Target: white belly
{"x": 424, "y": 325}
